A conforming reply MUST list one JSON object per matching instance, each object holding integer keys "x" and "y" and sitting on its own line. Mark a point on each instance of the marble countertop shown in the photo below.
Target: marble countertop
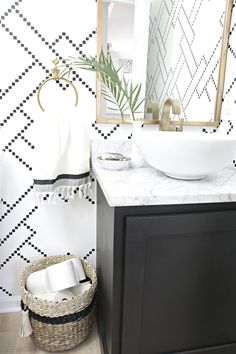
{"x": 147, "y": 186}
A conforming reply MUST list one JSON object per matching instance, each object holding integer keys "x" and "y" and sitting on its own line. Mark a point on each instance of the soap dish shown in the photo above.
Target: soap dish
{"x": 114, "y": 165}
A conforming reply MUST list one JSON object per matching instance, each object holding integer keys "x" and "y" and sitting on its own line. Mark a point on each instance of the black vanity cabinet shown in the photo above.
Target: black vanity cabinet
{"x": 167, "y": 278}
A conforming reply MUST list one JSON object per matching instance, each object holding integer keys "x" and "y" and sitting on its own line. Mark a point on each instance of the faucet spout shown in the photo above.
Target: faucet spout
{"x": 165, "y": 123}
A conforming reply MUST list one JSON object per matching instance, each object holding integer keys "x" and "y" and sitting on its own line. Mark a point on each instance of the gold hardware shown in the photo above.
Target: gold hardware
{"x": 153, "y": 108}
{"x": 223, "y": 61}
{"x": 56, "y": 76}
{"x": 165, "y": 122}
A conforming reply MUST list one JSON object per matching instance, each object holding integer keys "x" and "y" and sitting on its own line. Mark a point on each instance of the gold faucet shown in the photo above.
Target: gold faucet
{"x": 153, "y": 108}
{"x": 165, "y": 122}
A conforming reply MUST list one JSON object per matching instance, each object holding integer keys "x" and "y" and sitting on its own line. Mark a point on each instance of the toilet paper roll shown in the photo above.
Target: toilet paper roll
{"x": 81, "y": 288}
{"x": 36, "y": 282}
{"x": 79, "y": 270}
{"x": 57, "y": 296}
{"x": 61, "y": 276}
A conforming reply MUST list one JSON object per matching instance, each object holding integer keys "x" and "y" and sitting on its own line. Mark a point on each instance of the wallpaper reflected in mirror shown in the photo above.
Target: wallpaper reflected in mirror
{"x": 183, "y": 54}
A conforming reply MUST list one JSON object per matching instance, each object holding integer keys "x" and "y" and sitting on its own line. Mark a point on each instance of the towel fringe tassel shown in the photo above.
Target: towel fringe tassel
{"x": 66, "y": 192}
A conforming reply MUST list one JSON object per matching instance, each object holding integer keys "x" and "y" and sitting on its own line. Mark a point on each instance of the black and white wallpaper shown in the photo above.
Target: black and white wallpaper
{"x": 183, "y": 55}
{"x": 32, "y": 34}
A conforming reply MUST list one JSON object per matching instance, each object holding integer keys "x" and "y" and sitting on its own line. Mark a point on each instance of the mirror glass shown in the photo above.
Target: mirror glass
{"x": 174, "y": 48}
{"x": 118, "y": 41}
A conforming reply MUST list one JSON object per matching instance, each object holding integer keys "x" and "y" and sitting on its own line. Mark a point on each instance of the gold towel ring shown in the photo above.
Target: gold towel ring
{"x": 56, "y": 76}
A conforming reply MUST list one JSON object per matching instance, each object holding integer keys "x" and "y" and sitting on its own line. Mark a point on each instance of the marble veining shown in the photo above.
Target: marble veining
{"x": 147, "y": 186}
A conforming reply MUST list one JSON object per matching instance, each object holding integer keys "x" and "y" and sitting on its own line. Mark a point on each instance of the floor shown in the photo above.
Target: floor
{"x": 11, "y": 342}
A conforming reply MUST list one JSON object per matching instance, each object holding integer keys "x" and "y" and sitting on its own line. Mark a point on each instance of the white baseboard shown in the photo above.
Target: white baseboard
{"x": 10, "y": 304}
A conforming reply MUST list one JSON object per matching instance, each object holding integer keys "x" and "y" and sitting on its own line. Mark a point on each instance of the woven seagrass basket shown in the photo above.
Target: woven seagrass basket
{"x": 64, "y": 324}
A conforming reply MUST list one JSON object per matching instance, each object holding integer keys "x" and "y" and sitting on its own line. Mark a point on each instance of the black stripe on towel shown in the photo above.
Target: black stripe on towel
{"x": 63, "y": 176}
{"x": 63, "y": 319}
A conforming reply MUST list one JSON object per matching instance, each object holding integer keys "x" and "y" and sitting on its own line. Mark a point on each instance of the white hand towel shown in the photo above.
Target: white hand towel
{"x": 61, "y": 157}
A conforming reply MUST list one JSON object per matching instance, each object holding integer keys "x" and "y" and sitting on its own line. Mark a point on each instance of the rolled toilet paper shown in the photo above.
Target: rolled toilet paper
{"x": 36, "y": 282}
{"x": 79, "y": 270}
{"x": 57, "y": 296}
{"x": 61, "y": 276}
{"x": 81, "y": 288}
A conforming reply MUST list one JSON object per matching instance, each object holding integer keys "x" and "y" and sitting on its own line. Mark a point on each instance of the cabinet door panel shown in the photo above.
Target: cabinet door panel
{"x": 179, "y": 282}
{"x": 221, "y": 349}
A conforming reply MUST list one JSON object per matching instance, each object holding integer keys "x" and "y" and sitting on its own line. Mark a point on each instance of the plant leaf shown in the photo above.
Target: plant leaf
{"x": 119, "y": 91}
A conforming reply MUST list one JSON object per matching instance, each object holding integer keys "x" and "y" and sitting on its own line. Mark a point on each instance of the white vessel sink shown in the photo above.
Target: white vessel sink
{"x": 185, "y": 155}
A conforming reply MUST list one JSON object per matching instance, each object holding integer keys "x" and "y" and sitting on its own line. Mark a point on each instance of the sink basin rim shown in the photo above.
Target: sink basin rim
{"x": 186, "y": 155}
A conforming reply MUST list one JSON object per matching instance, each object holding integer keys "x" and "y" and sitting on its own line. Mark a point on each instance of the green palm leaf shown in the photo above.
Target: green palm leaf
{"x": 119, "y": 91}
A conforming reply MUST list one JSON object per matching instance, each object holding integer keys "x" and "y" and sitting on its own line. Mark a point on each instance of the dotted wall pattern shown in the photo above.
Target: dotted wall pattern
{"x": 27, "y": 231}
{"x": 22, "y": 223}
{"x": 184, "y": 51}
{"x": 229, "y": 99}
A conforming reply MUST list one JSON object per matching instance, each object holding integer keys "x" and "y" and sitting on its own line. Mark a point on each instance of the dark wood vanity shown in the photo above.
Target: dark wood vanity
{"x": 167, "y": 278}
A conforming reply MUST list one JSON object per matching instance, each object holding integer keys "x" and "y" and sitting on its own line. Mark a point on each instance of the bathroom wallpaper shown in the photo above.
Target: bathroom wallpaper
{"x": 32, "y": 34}
{"x": 183, "y": 54}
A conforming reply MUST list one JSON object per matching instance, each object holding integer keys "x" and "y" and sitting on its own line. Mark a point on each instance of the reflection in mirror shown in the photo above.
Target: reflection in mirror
{"x": 118, "y": 41}
{"x": 183, "y": 55}
{"x": 175, "y": 49}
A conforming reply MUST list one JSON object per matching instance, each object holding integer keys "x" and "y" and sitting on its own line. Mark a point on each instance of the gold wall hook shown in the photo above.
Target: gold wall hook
{"x": 56, "y": 76}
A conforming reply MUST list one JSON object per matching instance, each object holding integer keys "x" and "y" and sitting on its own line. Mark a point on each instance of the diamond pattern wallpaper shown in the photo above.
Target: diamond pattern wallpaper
{"x": 183, "y": 55}
{"x": 32, "y": 34}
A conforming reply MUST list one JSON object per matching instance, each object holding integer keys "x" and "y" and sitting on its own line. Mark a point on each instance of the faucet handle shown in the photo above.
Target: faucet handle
{"x": 176, "y": 107}
{"x": 166, "y": 124}
{"x": 153, "y": 108}
{"x": 180, "y": 127}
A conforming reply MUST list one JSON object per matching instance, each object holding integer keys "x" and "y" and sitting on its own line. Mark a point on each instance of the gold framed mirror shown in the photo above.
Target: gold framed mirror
{"x": 187, "y": 62}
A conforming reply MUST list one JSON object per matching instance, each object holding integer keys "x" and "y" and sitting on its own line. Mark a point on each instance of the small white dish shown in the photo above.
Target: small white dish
{"x": 114, "y": 165}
